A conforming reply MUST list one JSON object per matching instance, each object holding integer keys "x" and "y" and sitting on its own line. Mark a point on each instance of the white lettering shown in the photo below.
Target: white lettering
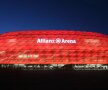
{"x": 68, "y": 41}
{"x": 57, "y": 40}
{"x": 45, "y": 41}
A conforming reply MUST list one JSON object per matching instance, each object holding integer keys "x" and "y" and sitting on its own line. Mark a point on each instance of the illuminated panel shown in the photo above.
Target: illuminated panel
{"x": 53, "y": 47}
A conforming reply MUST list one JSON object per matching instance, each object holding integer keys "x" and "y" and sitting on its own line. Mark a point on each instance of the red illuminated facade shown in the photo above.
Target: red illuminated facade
{"x": 53, "y": 47}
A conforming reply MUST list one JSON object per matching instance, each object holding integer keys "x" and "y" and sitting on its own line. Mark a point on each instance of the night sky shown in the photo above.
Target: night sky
{"x": 85, "y": 15}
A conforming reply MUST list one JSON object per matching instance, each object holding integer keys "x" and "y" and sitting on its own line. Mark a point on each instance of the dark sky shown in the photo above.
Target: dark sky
{"x": 86, "y": 15}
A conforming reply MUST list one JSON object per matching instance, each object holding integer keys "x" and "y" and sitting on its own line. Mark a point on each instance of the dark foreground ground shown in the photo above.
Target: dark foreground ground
{"x": 56, "y": 79}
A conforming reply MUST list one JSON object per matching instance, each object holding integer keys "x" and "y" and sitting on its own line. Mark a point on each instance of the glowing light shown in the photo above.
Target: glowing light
{"x": 12, "y": 40}
{"x": 26, "y": 56}
{"x": 2, "y": 52}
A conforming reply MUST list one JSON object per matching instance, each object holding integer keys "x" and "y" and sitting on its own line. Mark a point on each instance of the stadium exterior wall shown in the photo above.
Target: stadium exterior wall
{"x": 53, "y": 47}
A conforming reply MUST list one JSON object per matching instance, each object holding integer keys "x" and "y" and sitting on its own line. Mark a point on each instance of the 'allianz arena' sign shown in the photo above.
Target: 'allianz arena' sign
{"x": 57, "y": 40}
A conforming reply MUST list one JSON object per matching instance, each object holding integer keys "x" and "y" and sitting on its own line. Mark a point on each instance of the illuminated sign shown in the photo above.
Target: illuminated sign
{"x": 57, "y": 40}
{"x": 25, "y": 56}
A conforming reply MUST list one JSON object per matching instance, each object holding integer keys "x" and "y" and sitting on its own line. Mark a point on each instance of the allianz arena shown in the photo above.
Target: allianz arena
{"x": 52, "y": 48}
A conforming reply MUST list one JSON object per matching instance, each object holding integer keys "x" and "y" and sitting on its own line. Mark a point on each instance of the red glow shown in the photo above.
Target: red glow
{"x": 53, "y": 47}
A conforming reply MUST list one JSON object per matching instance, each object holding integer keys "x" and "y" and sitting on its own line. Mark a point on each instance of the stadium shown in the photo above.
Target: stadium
{"x": 49, "y": 49}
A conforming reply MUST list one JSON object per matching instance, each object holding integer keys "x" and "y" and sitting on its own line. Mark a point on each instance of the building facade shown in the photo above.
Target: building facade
{"x": 53, "y": 47}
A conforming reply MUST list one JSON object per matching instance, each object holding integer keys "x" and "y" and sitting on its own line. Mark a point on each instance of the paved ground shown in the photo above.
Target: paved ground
{"x": 53, "y": 79}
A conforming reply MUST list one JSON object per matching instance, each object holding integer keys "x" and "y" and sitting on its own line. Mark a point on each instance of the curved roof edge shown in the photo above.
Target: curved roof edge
{"x": 64, "y": 31}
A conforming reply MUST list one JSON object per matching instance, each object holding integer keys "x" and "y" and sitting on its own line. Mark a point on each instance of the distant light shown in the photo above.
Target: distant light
{"x": 2, "y": 52}
{"x": 95, "y": 42}
{"x": 91, "y": 67}
{"x": 12, "y": 40}
{"x": 25, "y": 56}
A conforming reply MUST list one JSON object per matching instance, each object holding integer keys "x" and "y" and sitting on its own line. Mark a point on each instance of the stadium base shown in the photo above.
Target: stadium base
{"x": 35, "y": 67}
